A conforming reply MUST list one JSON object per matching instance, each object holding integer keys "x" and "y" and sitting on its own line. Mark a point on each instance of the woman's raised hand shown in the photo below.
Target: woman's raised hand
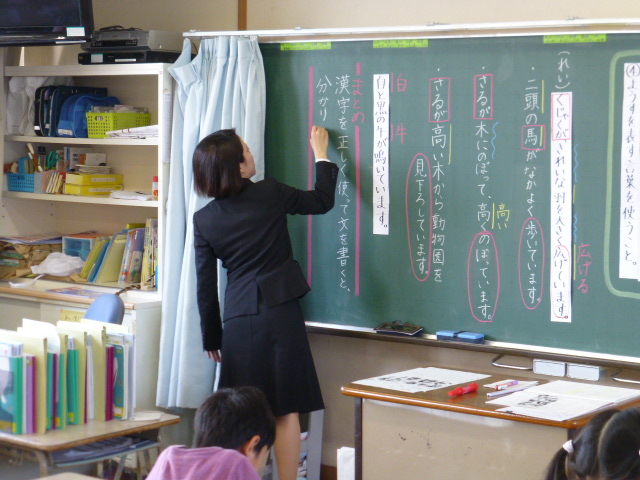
{"x": 319, "y": 141}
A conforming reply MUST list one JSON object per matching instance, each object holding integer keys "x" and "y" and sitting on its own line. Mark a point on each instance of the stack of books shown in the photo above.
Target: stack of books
{"x": 126, "y": 257}
{"x": 52, "y": 376}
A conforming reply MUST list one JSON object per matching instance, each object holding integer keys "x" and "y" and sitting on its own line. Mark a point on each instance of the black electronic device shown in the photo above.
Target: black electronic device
{"x": 149, "y": 56}
{"x": 118, "y": 39}
{"x": 45, "y": 22}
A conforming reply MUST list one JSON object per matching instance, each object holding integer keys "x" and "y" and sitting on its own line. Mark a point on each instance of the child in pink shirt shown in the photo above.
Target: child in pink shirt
{"x": 234, "y": 430}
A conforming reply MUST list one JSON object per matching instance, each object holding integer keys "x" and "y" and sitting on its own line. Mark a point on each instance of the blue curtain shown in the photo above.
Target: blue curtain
{"x": 222, "y": 87}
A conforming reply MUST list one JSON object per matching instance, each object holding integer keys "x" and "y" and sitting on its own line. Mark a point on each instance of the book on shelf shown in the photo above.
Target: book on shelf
{"x": 110, "y": 381}
{"x": 96, "y": 367}
{"x": 132, "y": 260}
{"x": 149, "y": 255}
{"x": 124, "y": 389}
{"x": 76, "y": 373}
{"x": 109, "y": 268}
{"x": 56, "y": 370}
{"x": 30, "y": 392}
{"x": 68, "y": 383}
{"x": 11, "y": 394}
{"x": 34, "y": 345}
{"x": 94, "y": 257}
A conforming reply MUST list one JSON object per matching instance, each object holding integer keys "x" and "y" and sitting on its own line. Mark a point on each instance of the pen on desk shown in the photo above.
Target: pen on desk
{"x": 502, "y": 386}
{"x": 462, "y": 390}
{"x": 515, "y": 388}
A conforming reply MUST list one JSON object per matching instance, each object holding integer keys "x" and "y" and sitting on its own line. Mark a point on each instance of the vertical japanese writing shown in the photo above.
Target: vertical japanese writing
{"x": 335, "y": 105}
{"x": 484, "y": 266}
{"x": 440, "y": 133}
{"x": 532, "y": 251}
{"x": 561, "y": 206}
{"x": 629, "y": 168}
{"x": 381, "y": 169}
{"x": 584, "y": 262}
{"x": 419, "y": 204}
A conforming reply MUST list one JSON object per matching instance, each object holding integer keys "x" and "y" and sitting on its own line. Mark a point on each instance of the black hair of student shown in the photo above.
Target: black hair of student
{"x": 230, "y": 417}
{"x": 582, "y": 463}
{"x": 619, "y": 449}
{"x": 216, "y": 164}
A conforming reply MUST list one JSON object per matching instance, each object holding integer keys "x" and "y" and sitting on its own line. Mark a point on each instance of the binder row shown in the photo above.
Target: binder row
{"x": 70, "y": 373}
{"x": 129, "y": 256}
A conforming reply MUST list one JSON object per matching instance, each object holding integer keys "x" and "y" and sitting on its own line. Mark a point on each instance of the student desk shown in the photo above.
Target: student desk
{"x": 429, "y": 435}
{"x": 40, "y": 447}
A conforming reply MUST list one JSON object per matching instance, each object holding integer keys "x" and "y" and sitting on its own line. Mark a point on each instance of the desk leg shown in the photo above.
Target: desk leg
{"x": 120, "y": 468}
{"x": 358, "y": 440}
{"x": 42, "y": 460}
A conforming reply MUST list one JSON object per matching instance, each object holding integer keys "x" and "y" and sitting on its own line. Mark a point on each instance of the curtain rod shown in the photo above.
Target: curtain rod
{"x": 569, "y": 26}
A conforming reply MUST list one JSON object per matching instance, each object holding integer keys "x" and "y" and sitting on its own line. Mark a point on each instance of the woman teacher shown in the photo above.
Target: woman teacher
{"x": 265, "y": 341}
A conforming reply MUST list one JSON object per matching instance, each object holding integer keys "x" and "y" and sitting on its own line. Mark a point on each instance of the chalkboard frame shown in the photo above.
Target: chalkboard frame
{"x": 570, "y": 27}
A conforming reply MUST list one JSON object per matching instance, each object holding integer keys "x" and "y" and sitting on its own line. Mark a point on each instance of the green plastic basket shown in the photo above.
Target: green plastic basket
{"x": 99, "y": 124}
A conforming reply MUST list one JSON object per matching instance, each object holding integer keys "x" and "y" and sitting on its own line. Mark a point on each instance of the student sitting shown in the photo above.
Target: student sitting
{"x": 577, "y": 459}
{"x": 234, "y": 430}
{"x": 619, "y": 448}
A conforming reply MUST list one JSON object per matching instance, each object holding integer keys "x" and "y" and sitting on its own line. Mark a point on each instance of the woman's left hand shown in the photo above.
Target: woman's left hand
{"x": 215, "y": 356}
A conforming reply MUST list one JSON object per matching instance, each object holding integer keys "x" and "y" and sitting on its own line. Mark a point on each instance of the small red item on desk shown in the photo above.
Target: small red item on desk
{"x": 462, "y": 390}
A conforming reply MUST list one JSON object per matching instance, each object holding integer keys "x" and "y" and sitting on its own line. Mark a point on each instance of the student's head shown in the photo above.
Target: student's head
{"x": 578, "y": 458}
{"x": 619, "y": 449}
{"x": 220, "y": 162}
{"x": 238, "y": 419}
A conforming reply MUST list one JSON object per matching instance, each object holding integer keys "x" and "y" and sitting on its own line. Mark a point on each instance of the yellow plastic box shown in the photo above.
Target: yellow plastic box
{"x": 94, "y": 178}
{"x": 105, "y": 189}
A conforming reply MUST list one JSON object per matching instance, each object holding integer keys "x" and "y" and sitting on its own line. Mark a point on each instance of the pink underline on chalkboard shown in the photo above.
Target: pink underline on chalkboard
{"x": 310, "y": 180}
{"x": 358, "y": 158}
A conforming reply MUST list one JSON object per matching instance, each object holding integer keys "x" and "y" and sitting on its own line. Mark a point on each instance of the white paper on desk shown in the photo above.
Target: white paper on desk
{"x": 421, "y": 379}
{"x": 551, "y": 407}
{"x": 587, "y": 391}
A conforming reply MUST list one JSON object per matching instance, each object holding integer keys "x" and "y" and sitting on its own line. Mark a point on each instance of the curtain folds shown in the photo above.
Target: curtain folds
{"x": 222, "y": 87}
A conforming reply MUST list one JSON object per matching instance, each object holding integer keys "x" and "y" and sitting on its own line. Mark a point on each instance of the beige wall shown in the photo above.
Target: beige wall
{"x": 279, "y": 14}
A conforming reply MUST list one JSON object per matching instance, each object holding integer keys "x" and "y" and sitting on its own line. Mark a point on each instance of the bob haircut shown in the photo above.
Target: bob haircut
{"x": 230, "y": 417}
{"x": 216, "y": 164}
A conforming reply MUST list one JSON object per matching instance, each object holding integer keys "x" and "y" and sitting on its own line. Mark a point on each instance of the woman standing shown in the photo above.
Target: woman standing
{"x": 265, "y": 341}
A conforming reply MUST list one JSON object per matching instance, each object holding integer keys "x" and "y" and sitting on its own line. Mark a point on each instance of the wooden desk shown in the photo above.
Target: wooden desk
{"x": 40, "y": 447}
{"x": 429, "y": 435}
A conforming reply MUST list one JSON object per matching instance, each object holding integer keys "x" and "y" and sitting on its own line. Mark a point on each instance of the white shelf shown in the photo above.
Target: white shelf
{"x": 128, "y": 69}
{"x": 82, "y": 141}
{"x": 139, "y": 160}
{"x": 97, "y": 199}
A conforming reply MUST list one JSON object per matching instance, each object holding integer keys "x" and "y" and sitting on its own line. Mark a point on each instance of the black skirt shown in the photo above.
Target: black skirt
{"x": 270, "y": 350}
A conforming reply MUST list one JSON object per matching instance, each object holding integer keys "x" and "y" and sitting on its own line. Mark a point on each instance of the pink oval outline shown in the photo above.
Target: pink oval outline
{"x": 406, "y": 202}
{"x": 495, "y": 248}
{"x": 544, "y": 263}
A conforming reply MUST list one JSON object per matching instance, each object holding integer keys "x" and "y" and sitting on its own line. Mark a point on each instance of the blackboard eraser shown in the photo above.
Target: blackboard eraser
{"x": 471, "y": 337}
{"x": 447, "y": 335}
{"x": 460, "y": 336}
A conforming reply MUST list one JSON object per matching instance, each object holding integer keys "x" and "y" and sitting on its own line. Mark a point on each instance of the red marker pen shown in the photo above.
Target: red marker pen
{"x": 462, "y": 390}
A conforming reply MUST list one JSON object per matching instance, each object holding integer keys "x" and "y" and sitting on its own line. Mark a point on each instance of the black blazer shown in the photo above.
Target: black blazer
{"x": 248, "y": 232}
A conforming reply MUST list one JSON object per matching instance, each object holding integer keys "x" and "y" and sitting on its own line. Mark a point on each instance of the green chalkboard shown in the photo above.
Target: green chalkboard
{"x": 486, "y": 184}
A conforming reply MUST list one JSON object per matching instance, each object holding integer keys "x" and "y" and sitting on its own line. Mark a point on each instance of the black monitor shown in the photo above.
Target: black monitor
{"x": 45, "y": 22}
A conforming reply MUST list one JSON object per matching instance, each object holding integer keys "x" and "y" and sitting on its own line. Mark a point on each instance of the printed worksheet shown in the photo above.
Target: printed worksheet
{"x": 421, "y": 379}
